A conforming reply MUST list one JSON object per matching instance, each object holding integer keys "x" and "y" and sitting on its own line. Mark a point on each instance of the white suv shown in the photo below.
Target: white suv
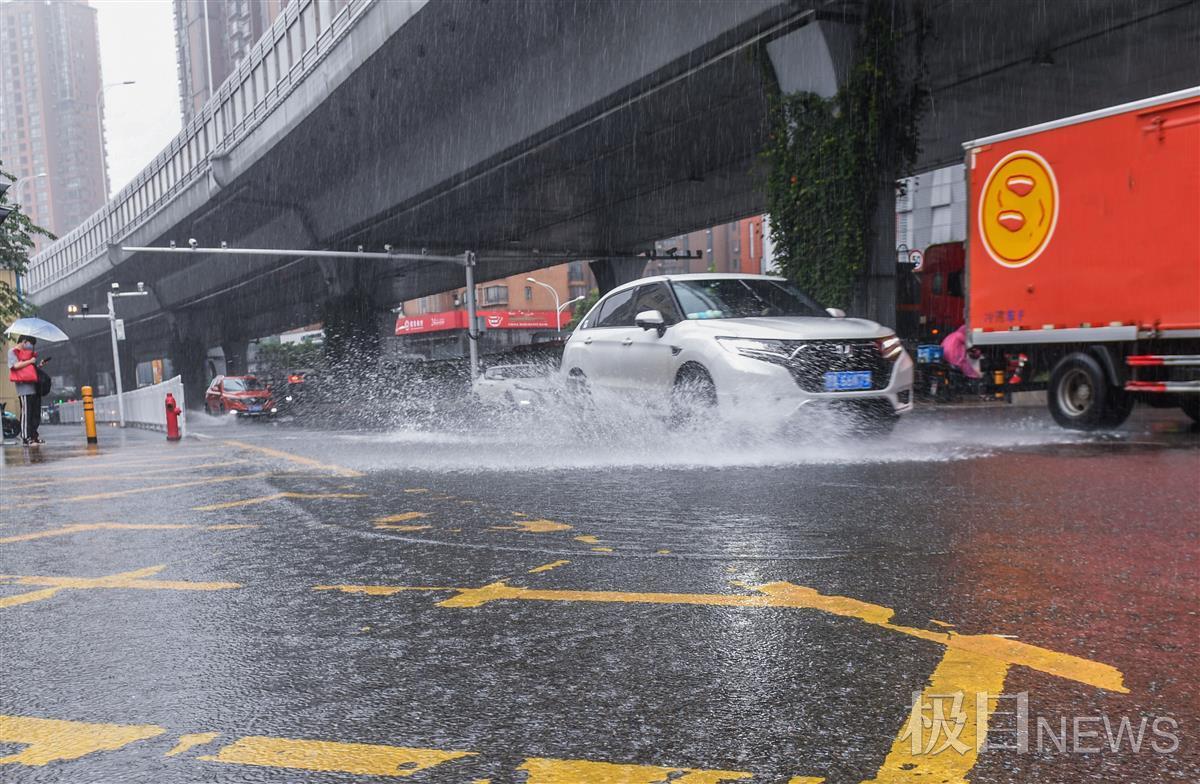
{"x": 749, "y": 344}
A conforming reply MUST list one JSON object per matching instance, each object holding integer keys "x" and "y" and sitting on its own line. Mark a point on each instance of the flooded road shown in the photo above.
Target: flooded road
{"x": 610, "y": 603}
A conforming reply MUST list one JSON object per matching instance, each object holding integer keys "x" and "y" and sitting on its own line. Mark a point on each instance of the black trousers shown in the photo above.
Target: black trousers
{"x": 31, "y": 416}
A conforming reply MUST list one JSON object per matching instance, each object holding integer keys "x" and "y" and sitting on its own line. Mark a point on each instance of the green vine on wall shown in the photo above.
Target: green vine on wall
{"x": 831, "y": 158}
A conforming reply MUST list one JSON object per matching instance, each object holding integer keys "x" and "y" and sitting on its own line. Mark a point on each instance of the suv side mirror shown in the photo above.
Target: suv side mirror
{"x": 836, "y": 312}
{"x": 651, "y": 319}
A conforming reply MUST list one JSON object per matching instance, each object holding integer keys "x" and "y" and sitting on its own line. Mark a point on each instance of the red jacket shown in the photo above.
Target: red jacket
{"x": 27, "y": 374}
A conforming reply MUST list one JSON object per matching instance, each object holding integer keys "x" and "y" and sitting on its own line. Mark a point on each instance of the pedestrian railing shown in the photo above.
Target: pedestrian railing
{"x": 145, "y": 407}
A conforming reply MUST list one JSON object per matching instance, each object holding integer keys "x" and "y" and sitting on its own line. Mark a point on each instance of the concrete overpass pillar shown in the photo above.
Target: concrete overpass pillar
{"x": 818, "y": 58}
{"x": 352, "y": 331}
{"x": 235, "y": 356}
{"x": 610, "y": 273}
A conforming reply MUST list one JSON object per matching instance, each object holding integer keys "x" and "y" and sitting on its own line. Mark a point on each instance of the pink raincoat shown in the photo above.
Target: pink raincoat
{"x": 954, "y": 351}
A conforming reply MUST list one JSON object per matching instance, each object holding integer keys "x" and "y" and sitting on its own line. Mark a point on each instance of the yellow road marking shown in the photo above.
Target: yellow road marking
{"x": 362, "y": 758}
{"x": 27, "y": 597}
{"x": 133, "y": 491}
{"x": 559, "y": 771}
{"x": 533, "y": 526}
{"x": 403, "y": 517}
{"x": 307, "y": 461}
{"x": 135, "y": 579}
{"x": 109, "y": 476}
{"x": 50, "y": 740}
{"x": 272, "y": 497}
{"x": 67, "y": 530}
{"x": 944, "y": 746}
{"x": 602, "y": 549}
{"x": 548, "y": 567}
{"x": 416, "y": 490}
{"x": 191, "y": 741}
{"x": 587, "y": 539}
{"x": 403, "y": 527}
{"x": 788, "y": 595}
{"x": 662, "y": 552}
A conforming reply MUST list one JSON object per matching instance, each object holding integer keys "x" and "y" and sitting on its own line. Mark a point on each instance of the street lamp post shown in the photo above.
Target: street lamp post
{"x": 77, "y": 312}
{"x": 100, "y": 130}
{"x": 558, "y": 308}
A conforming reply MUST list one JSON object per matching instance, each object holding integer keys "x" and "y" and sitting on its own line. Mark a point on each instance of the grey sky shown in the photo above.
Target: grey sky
{"x": 137, "y": 42}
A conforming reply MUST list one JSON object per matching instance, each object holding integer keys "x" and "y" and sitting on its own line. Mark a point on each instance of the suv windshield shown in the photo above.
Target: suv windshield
{"x": 242, "y": 385}
{"x": 743, "y": 298}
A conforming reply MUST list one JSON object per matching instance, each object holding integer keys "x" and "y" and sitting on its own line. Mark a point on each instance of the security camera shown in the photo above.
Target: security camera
{"x": 192, "y": 242}
{"x": 141, "y": 286}
{"x": 116, "y": 286}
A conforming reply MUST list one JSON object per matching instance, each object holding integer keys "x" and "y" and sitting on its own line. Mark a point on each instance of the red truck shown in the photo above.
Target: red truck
{"x": 1083, "y": 255}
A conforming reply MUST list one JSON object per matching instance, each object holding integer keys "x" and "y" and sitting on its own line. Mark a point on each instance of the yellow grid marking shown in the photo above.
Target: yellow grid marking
{"x": 192, "y": 740}
{"x": 262, "y": 499}
{"x": 791, "y": 596}
{"x": 403, "y": 517}
{"x": 51, "y": 740}
{"x": 133, "y": 491}
{"x": 533, "y": 526}
{"x": 558, "y": 771}
{"x": 305, "y": 461}
{"x": 135, "y": 579}
{"x": 365, "y": 759}
{"x": 547, "y": 567}
{"x": 973, "y": 677}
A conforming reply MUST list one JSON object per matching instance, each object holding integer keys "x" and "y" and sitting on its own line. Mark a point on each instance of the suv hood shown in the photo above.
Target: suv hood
{"x": 791, "y": 328}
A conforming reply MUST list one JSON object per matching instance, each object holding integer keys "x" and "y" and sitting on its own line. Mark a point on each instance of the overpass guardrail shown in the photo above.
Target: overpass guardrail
{"x": 302, "y": 35}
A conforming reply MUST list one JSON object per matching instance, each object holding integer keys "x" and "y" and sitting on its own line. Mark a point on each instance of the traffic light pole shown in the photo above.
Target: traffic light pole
{"x": 73, "y": 312}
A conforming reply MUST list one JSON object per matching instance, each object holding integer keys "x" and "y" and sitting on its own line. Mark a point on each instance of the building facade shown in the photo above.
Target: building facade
{"x": 730, "y": 247}
{"x": 515, "y": 311}
{"x": 51, "y": 110}
{"x": 212, "y": 37}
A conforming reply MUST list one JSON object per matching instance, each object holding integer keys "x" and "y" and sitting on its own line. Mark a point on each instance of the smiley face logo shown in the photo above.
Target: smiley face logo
{"x": 1018, "y": 208}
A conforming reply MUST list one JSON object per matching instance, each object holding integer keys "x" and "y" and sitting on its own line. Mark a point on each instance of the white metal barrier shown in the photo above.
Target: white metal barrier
{"x": 145, "y": 407}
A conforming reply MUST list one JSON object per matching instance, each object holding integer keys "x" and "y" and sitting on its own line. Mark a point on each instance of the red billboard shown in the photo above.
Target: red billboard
{"x": 494, "y": 319}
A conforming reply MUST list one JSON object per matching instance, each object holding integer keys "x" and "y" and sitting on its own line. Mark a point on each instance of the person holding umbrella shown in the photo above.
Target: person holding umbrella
{"x": 24, "y": 370}
{"x": 23, "y": 367}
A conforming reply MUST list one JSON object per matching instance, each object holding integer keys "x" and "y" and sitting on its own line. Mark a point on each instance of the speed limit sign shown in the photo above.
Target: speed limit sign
{"x": 916, "y": 258}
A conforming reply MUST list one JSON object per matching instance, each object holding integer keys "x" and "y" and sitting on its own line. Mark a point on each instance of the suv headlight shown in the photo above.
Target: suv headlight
{"x": 766, "y": 350}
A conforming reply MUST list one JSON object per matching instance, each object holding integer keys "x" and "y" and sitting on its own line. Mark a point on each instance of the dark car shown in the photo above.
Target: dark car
{"x": 240, "y": 395}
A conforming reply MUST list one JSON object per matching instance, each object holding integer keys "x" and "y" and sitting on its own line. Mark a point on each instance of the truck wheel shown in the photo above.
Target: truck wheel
{"x": 1191, "y": 407}
{"x": 1080, "y": 397}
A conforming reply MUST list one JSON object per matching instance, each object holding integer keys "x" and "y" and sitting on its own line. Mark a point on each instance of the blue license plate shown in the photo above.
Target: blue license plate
{"x": 844, "y": 380}
{"x": 254, "y": 409}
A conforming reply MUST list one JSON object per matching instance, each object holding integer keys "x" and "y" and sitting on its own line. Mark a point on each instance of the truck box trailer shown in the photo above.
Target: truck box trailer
{"x": 1083, "y": 257}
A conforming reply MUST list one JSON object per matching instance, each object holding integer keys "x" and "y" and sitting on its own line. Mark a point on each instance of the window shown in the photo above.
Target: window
{"x": 617, "y": 310}
{"x": 656, "y": 296}
{"x": 528, "y": 293}
{"x": 495, "y": 295}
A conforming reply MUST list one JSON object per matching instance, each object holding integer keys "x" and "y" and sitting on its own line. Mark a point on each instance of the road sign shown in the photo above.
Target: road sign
{"x": 120, "y": 327}
{"x": 917, "y": 259}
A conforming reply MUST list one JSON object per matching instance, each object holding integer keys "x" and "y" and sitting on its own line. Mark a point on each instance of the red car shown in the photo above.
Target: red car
{"x": 241, "y": 395}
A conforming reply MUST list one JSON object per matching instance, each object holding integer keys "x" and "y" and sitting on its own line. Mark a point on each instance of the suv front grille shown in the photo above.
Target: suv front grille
{"x": 812, "y": 359}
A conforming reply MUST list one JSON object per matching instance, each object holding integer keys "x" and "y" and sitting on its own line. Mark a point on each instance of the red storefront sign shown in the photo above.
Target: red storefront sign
{"x": 494, "y": 319}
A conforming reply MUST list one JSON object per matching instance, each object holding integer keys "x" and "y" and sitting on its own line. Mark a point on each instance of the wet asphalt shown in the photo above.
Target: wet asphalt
{"x": 985, "y": 521}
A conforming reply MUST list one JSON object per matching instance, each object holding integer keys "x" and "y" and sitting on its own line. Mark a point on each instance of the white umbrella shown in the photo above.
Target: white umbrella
{"x": 37, "y": 328}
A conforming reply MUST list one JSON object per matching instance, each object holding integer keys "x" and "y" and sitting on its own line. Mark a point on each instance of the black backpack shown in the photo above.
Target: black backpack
{"x": 43, "y": 383}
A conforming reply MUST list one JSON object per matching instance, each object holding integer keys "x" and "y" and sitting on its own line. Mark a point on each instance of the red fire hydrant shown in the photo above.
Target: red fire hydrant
{"x": 172, "y": 418}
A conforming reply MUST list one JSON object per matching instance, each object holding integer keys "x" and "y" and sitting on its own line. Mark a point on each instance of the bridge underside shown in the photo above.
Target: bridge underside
{"x": 446, "y": 139}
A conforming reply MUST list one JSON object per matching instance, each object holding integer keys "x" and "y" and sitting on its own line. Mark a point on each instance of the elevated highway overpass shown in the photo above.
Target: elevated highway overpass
{"x": 532, "y": 132}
